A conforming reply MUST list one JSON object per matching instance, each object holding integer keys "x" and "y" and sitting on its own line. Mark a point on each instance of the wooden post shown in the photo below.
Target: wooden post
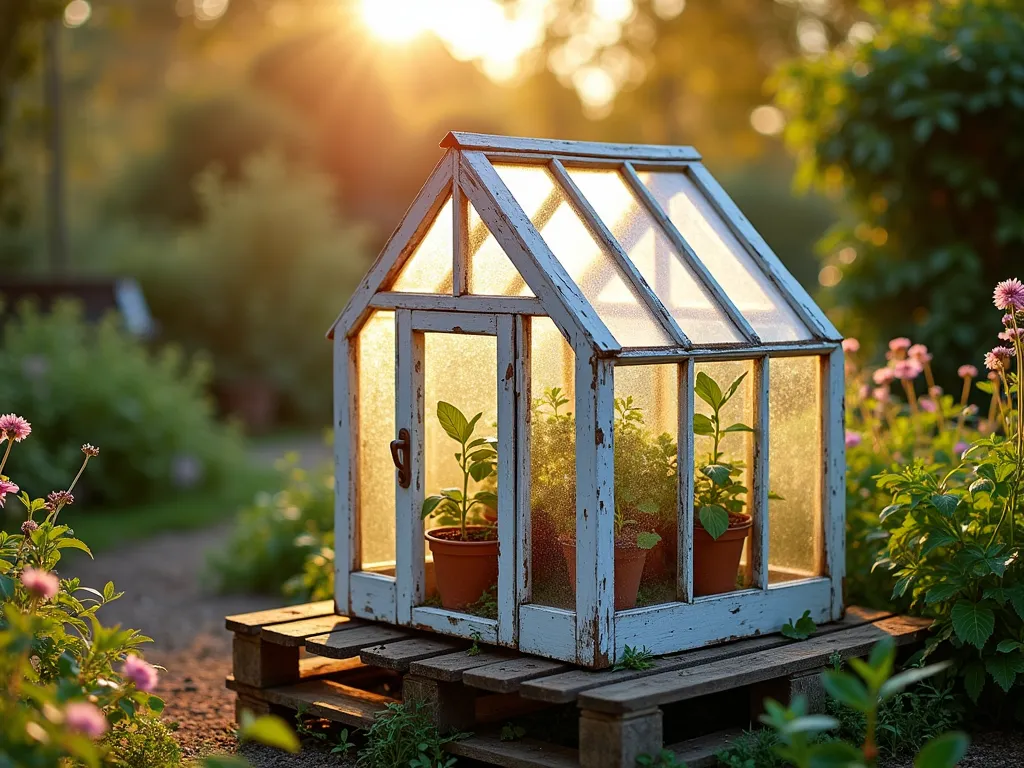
{"x": 263, "y": 665}
{"x": 617, "y": 740}
{"x": 451, "y": 706}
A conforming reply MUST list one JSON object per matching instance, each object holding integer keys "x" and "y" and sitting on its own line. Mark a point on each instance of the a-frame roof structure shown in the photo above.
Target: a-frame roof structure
{"x": 632, "y": 250}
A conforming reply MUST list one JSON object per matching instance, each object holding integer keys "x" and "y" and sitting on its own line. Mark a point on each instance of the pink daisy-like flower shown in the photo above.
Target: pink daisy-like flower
{"x": 928, "y": 405}
{"x": 920, "y": 353}
{"x": 90, "y": 450}
{"x": 850, "y": 346}
{"x": 882, "y": 376}
{"x": 1009, "y": 294}
{"x": 881, "y": 394}
{"x": 28, "y": 526}
{"x": 966, "y": 371}
{"x": 1007, "y": 319}
{"x": 6, "y": 486}
{"x": 85, "y": 718}
{"x": 996, "y": 359}
{"x": 960, "y": 447}
{"x": 1012, "y": 334}
{"x": 13, "y": 427}
{"x": 853, "y": 439}
{"x": 40, "y": 583}
{"x": 140, "y": 672}
{"x": 907, "y": 370}
{"x": 899, "y": 344}
{"x": 935, "y": 391}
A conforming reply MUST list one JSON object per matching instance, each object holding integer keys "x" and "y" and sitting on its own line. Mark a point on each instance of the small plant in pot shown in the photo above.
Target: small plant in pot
{"x": 465, "y": 545}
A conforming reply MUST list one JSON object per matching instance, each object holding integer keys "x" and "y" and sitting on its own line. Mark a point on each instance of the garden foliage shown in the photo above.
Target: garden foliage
{"x": 921, "y": 131}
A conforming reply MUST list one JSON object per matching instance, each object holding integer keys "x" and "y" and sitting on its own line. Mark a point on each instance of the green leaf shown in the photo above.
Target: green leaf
{"x": 945, "y": 503}
{"x": 714, "y": 519}
{"x": 452, "y": 421}
{"x": 719, "y": 474}
{"x": 801, "y": 629}
{"x": 647, "y": 540}
{"x": 908, "y": 677}
{"x": 848, "y": 690}
{"x": 811, "y": 724}
{"x": 973, "y": 622}
{"x": 835, "y": 754}
{"x": 430, "y": 505}
{"x": 453, "y": 494}
{"x": 156, "y": 704}
{"x": 1016, "y": 593}
{"x": 941, "y": 592}
{"x": 74, "y": 544}
{"x": 648, "y": 507}
{"x": 888, "y": 512}
{"x": 7, "y": 586}
{"x": 733, "y": 387}
{"x": 974, "y": 680}
{"x": 737, "y": 428}
{"x": 481, "y": 470}
{"x": 943, "y": 751}
{"x": 268, "y": 730}
{"x": 1004, "y": 668}
{"x": 1009, "y": 646}
{"x": 707, "y": 389}
{"x": 702, "y": 425}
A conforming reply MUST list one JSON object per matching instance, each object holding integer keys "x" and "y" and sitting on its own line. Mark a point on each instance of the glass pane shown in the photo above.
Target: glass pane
{"x": 722, "y": 564}
{"x": 795, "y": 467}
{"x": 491, "y": 273}
{"x": 429, "y": 269}
{"x": 654, "y": 257}
{"x": 725, "y": 257}
{"x": 460, "y": 370}
{"x": 646, "y": 484}
{"x": 552, "y": 466}
{"x": 588, "y": 264}
{"x": 376, "y": 426}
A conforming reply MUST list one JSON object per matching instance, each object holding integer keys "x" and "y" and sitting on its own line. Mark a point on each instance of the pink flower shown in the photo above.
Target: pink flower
{"x": 1009, "y": 294}
{"x": 853, "y": 439}
{"x": 960, "y": 447}
{"x": 850, "y": 346}
{"x": 1007, "y": 319}
{"x": 139, "y": 672}
{"x": 40, "y": 583}
{"x": 881, "y": 394}
{"x": 966, "y": 371}
{"x": 90, "y": 450}
{"x": 970, "y": 411}
{"x": 6, "y": 486}
{"x": 1012, "y": 334}
{"x": 920, "y": 353}
{"x": 935, "y": 392}
{"x": 85, "y": 718}
{"x": 14, "y": 428}
{"x": 864, "y": 392}
{"x": 28, "y": 526}
{"x": 928, "y": 405}
{"x": 996, "y": 359}
{"x": 899, "y": 344}
{"x": 60, "y": 499}
{"x": 906, "y": 370}
{"x": 882, "y": 376}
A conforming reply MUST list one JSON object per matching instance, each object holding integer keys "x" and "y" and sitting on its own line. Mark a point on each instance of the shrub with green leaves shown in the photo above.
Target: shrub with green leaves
{"x": 920, "y": 130}
{"x": 148, "y": 409}
{"x": 405, "y": 735}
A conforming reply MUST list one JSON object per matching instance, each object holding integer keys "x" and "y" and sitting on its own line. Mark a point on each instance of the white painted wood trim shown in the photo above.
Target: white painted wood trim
{"x": 488, "y": 142}
{"x": 833, "y": 482}
{"x": 548, "y": 632}
{"x": 460, "y": 238}
{"x": 685, "y": 468}
{"x": 454, "y": 322}
{"x": 398, "y": 248}
{"x": 505, "y": 305}
{"x": 673, "y": 627}
{"x": 410, "y": 550}
{"x": 758, "y": 498}
{"x": 634, "y": 356}
{"x": 530, "y": 255}
{"x": 788, "y": 286}
{"x": 507, "y": 474}
{"x": 345, "y": 469}
{"x": 595, "y": 511}
{"x": 457, "y": 624}
{"x": 718, "y": 294}
{"x": 373, "y": 597}
{"x": 524, "y": 431}
{"x": 603, "y": 235}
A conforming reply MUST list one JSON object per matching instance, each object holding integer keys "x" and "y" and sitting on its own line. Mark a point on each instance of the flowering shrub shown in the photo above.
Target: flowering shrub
{"x": 955, "y": 533}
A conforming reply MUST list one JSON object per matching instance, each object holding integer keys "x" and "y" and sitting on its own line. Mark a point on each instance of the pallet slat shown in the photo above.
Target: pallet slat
{"x": 524, "y": 753}
{"x": 401, "y": 654}
{"x": 296, "y": 632}
{"x": 349, "y": 642}
{"x": 701, "y": 752}
{"x": 506, "y": 676}
{"x": 322, "y": 698}
{"x": 252, "y": 623}
{"x": 451, "y": 667}
{"x": 726, "y": 674}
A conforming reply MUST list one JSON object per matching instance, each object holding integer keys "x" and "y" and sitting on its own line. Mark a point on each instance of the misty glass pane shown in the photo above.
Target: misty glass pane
{"x": 647, "y": 246}
{"x": 429, "y": 269}
{"x": 599, "y": 279}
{"x": 725, "y": 257}
{"x": 491, "y": 272}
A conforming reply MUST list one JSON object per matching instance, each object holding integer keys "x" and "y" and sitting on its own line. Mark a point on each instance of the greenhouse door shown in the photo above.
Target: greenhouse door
{"x": 465, "y": 363}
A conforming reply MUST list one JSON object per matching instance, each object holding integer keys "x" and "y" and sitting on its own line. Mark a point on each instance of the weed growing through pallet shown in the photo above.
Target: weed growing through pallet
{"x": 635, "y": 658}
{"x": 800, "y": 629}
{"x": 664, "y": 759}
{"x": 403, "y": 734}
{"x": 512, "y": 732}
{"x": 474, "y": 649}
{"x": 340, "y": 745}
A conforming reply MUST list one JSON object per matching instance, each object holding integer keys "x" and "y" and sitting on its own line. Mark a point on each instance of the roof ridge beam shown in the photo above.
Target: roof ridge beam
{"x": 491, "y": 142}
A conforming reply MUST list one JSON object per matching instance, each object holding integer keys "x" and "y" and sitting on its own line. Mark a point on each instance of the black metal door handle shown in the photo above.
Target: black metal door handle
{"x": 400, "y": 455}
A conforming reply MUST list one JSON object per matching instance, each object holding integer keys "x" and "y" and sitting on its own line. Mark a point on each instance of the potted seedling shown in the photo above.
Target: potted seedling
{"x": 465, "y": 544}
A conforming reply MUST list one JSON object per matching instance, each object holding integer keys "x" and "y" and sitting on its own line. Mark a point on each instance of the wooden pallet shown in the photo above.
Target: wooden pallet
{"x": 307, "y": 658}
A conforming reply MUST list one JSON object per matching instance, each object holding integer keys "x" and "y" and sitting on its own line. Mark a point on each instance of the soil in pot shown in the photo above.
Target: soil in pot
{"x": 464, "y": 570}
{"x": 717, "y": 561}
{"x": 629, "y": 570}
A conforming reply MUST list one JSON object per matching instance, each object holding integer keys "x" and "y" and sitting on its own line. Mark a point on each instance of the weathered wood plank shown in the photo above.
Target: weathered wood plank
{"x": 647, "y": 355}
{"x": 319, "y": 666}
{"x": 521, "y": 305}
{"x": 563, "y": 688}
{"x": 401, "y": 654}
{"x": 701, "y": 752}
{"x": 525, "y": 753}
{"x": 295, "y": 632}
{"x": 349, "y": 642}
{"x": 451, "y": 667}
{"x": 506, "y": 676}
{"x": 757, "y": 500}
{"x": 833, "y": 483}
{"x": 485, "y": 142}
{"x": 725, "y": 674}
{"x": 252, "y": 623}
{"x": 261, "y": 664}
{"x": 322, "y": 698}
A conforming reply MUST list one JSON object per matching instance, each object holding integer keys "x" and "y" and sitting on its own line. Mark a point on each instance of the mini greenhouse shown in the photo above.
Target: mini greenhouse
{"x": 580, "y": 405}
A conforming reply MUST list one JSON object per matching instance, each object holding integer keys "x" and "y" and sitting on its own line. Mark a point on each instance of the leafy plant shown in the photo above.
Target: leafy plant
{"x": 143, "y": 742}
{"x": 474, "y": 649}
{"x": 339, "y": 745}
{"x": 404, "y": 735}
{"x": 803, "y": 628}
{"x": 635, "y": 658}
{"x": 799, "y": 733}
{"x": 512, "y": 732}
{"x": 476, "y": 459}
{"x": 752, "y": 749}
{"x": 664, "y": 759}
{"x": 645, "y": 475}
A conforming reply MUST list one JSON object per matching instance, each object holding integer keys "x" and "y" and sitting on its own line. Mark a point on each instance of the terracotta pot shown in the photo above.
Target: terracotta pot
{"x": 629, "y": 570}
{"x": 464, "y": 569}
{"x": 254, "y": 401}
{"x": 716, "y": 562}
{"x": 661, "y": 558}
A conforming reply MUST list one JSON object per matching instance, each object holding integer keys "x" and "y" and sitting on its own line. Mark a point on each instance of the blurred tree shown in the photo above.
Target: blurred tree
{"x": 922, "y": 132}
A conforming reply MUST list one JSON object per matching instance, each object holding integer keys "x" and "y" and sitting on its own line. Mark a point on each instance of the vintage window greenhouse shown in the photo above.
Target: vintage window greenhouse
{"x": 581, "y": 405}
